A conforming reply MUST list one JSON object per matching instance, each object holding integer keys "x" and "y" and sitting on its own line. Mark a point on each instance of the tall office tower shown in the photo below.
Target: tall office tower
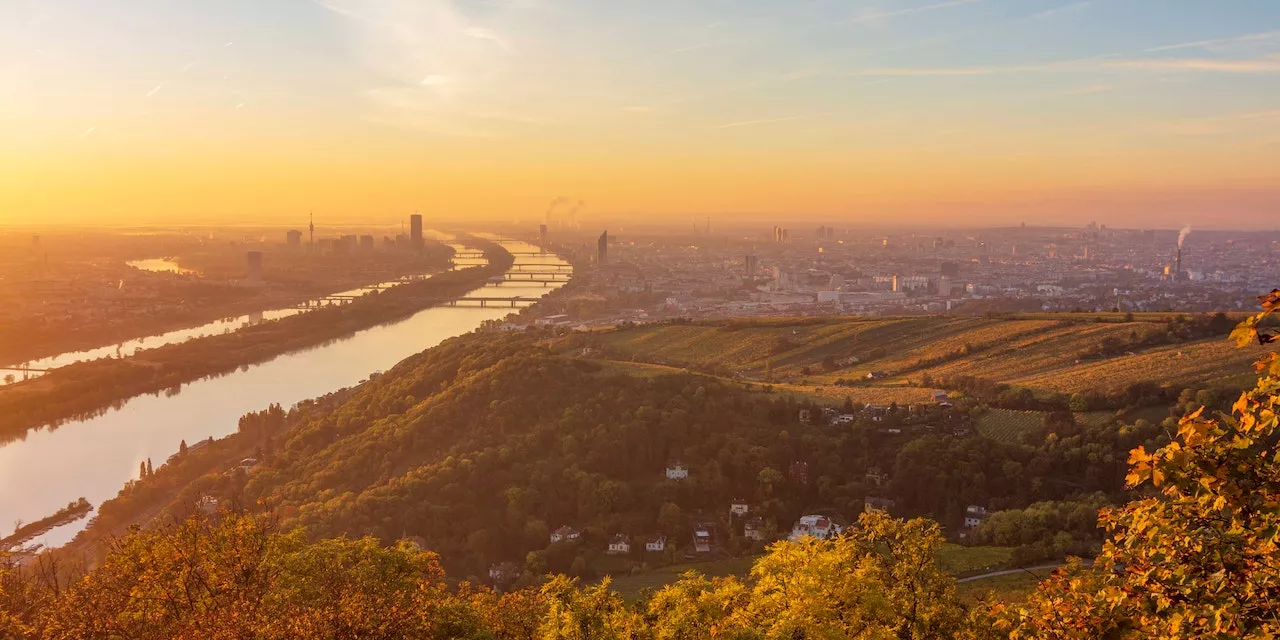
{"x": 602, "y": 249}
{"x": 415, "y": 231}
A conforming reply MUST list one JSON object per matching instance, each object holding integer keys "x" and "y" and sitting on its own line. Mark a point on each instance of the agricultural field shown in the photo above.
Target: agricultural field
{"x": 1042, "y": 352}
{"x": 1195, "y": 362}
{"x": 817, "y": 393}
{"x": 1007, "y": 425}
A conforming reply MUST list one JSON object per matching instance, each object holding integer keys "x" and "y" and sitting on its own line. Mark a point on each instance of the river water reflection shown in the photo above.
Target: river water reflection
{"x": 93, "y": 458}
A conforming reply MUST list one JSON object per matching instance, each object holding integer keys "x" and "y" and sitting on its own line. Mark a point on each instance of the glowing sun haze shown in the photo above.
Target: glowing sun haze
{"x": 1140, "y": 112}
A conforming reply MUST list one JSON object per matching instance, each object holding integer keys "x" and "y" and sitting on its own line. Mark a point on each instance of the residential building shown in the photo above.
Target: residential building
{"x": 702, "y": 541}
{"x": 974, "y": 515}
{"x": 815, "y": 526}
{"x": 565, "y": 534}
{"x": 738, "y": 507}
{"x": 656, "y": 543}
{"x": 504, "y": 573}
{"x": 619, "y": 545}
{"x": 677, "y": 471}
{"x": 754, "y": 529}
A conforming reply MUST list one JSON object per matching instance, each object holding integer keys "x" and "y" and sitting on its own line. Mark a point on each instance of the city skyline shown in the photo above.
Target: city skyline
{"x": 993, "y": 112}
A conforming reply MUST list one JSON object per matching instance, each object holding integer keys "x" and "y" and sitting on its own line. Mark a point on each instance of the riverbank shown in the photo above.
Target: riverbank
{"x": 30, "y": 343}
{"x": 30, "y": 531}
{"x": 93, "y": 388}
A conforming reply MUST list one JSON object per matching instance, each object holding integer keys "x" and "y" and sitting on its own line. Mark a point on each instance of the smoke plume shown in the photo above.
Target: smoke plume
{"x": 1182, "y": 235}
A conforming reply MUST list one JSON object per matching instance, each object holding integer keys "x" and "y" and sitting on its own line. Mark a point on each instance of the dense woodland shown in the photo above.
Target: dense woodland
{"x": 1191, "y": 554}
{"x": 82, "y": 389}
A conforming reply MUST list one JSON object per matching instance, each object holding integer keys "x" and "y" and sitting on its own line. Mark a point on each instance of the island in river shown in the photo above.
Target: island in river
{"x": 82, "y": 389}
{"x": 25, "y": 533}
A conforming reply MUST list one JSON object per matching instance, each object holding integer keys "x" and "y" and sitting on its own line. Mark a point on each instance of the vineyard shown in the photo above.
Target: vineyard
{"x": 1044, "y": 352}
{"x": 1006, "y": 425}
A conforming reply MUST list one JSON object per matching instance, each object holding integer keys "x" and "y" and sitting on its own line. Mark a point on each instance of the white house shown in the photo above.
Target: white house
{"x": 677, "y": 471}
{"x": 657, "y": 543}
{"x": 815, "y": 526}
{"x": 565, "y": 534}
{"x": 619, "y": 545}
{"x": 974, "y": 515}
{"x": 738, "y": 507}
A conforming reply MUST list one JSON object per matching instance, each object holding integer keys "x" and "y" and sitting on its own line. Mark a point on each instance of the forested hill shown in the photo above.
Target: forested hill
{"x": 481, "y": 447}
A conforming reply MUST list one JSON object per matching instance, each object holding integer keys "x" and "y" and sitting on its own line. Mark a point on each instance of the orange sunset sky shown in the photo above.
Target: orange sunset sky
{"x": 961, "y": 112}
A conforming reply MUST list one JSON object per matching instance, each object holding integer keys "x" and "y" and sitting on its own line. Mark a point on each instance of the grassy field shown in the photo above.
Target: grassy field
{"x": 1042, "y": 352}
{"x": 1009, "y": 589}
{"x": 958, "y": 560}
{"x": 953, "y": 559}
{"x": 630, "y": 586}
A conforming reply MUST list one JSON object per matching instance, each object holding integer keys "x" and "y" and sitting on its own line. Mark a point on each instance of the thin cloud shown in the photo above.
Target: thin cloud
{"x": 1097, "y": 88}
{"x": 481, "y": 33}
{"x": 1258, "y": 65}
{"x": 751, "y": 123}
{"x": 695, "y": 47}
{"x": 885, "y": 15}
{"x": 155, "y": 90}
{"x": 895, "y": 72}
{"x": 640, "y": 109}
{"x": 1064, "y": 9}
{"x": 1105, "y": 63}
{"x": 1218, "y": 43}
{"x": 88, "y": 131}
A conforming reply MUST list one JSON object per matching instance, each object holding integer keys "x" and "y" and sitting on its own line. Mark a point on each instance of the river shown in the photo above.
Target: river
{"x": 94, "y": 458}
{"x": 217, "y": 327}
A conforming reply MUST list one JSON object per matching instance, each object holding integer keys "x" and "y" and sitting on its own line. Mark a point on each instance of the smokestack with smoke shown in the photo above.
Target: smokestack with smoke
{"x": 546, "y": 217}
{"x": 1182, "y": 237}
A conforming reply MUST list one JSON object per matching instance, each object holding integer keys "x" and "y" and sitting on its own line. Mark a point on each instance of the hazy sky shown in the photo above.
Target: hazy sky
{"x": 1138, "y": 112}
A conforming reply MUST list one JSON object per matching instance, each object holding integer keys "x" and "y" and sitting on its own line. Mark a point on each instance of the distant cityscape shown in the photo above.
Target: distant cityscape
{"x": 827, "y": 271}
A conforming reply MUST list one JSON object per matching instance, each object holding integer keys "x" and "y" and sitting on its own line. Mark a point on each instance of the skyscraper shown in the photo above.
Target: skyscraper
{"x": 254, "y": 262}
{"x": 602, "y": 249}
{"x": 294, "y": 238}
{"x": 542, "y": 236}
{"x": 415, "y": 231}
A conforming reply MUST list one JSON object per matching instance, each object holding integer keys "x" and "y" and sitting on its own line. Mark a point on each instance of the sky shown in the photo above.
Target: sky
{"x": 929, "y": 112}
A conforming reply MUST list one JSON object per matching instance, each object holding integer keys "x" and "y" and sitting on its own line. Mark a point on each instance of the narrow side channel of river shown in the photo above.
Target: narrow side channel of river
{"x": 217, "y": 327}
{"x": 94, "y": 458}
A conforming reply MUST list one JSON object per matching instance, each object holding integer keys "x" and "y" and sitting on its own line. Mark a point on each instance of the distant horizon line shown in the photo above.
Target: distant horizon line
{"x": 667, "y": 227}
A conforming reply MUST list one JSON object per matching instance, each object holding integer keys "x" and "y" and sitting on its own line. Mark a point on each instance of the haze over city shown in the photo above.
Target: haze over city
{"x": 1139, "y": 113}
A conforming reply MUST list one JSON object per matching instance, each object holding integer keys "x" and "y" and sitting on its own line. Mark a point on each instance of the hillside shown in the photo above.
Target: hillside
{"x": 483, "y": 446}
